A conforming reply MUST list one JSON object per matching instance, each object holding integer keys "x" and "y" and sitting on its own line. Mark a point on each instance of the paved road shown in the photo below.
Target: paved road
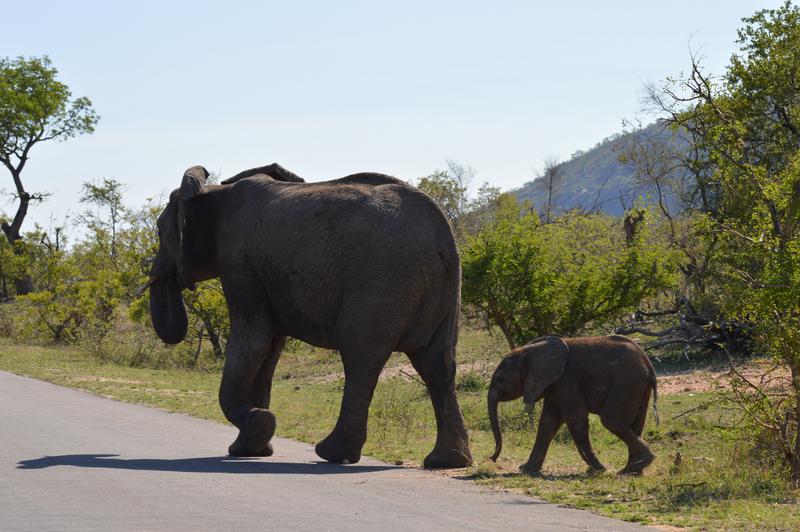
{"x": 73, "y": 461}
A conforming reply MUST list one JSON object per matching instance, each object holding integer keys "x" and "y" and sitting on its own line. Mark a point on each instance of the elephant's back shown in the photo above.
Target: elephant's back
{"x": 370, "y": 208}
{"x": 368, "y": 178}
{"x": 612, "y": 354}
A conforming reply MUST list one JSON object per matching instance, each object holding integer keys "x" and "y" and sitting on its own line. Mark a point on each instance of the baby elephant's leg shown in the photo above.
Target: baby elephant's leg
{"x": 549, "y": 423}
{"x": 578, "y": 424}
{"x": 639, "y": 454}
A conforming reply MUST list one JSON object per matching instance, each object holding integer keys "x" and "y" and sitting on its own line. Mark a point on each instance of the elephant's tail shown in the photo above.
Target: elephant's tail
{"x": 655, "y": 401}
{"x": 654, "y": 386}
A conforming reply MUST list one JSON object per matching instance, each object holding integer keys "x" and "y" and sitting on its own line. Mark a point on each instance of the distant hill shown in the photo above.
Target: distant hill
{"x": 593, "y": 179}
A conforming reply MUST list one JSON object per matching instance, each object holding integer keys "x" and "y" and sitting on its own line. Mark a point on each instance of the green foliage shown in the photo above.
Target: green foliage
{"x": 106, "y": 196}
{"x": 35, "y": 105}
{"x": 87, "y": 294}
{"x": 532, "y": 278}
{"x": 450, "y": 190}
{"x": 14, "y": 263}
{"x": 745, "y": 141}
{"x": 71, "y": 301}
{"x": 209, "y": 310}
{"x": 472, "y": 381}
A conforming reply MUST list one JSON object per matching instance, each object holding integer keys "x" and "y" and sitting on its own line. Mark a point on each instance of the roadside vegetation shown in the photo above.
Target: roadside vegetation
{"x": 704, "y": 270}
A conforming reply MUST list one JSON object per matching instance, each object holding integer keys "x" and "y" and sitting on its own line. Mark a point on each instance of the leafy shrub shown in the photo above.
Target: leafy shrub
{"x": 472, "y": 381}
{"x": 531, "y": 279}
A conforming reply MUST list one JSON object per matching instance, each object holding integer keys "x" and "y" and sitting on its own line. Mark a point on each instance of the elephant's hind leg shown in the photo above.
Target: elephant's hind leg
{"x": 261, "y": 390}
{"x": 437, "y": 368}
{"x": 361, "y": 372}
{"x": 639, "y": 454}
{"x": 641, "y": 416}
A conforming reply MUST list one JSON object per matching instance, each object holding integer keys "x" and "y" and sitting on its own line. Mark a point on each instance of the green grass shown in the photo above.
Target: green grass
{"x": 716, "y": 484}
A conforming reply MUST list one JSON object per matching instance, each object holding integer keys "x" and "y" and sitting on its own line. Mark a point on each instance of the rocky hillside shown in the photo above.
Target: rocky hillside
{"x": 593, "y": 179}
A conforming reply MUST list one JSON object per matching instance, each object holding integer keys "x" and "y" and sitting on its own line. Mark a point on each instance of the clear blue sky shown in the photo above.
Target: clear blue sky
{"x": 332, "y": 88}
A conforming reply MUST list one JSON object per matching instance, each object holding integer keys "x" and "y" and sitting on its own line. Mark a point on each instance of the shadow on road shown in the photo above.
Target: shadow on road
{"x": 210, "y": 464}
{"x": 511, "y": 474}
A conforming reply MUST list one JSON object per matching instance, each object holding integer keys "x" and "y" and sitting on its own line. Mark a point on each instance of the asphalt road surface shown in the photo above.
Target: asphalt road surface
{"x": 73, "y": 461}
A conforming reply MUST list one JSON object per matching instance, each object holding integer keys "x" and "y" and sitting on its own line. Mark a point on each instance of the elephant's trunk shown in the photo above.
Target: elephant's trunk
{"x": 498, "y": 437}
{"x": 167, "y": 310}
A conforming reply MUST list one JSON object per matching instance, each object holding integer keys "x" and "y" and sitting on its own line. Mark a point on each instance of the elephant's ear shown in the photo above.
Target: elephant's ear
{"x": 274, "y": 170}
{"x": 194, "y": 179}
{"x": 543, "y": 363}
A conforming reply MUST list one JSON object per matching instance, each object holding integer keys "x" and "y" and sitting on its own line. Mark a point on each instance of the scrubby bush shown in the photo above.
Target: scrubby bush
{"x": 532, "y": 278}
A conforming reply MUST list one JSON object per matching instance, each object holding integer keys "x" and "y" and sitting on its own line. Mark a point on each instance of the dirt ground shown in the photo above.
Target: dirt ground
{"x": 715, "y": 378}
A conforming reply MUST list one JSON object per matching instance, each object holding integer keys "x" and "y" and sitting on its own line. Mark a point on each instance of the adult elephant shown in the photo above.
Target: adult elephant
{"x": 366, "y": 265}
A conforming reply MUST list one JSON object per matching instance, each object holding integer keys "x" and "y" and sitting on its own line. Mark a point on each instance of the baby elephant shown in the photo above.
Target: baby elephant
{"x": 606, "y": 375}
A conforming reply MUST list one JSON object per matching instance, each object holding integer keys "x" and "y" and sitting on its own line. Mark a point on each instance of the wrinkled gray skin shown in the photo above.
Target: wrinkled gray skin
{"x": 366, "y": 265}
{"x": 606, "y": 375}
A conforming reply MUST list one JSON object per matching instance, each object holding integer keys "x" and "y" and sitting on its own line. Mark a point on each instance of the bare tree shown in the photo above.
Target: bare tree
{"x": 552, "y": 179}
{"x": 449, "y": 188}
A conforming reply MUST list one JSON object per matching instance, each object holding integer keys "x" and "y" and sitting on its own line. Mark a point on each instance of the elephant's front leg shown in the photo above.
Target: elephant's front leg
{"x": 549, "y": 423}
{"x": 260, "y": 395}
{"x": 578, "y": 425}
{"x": 344, "y": 444}
{"x": 246, "y": 379}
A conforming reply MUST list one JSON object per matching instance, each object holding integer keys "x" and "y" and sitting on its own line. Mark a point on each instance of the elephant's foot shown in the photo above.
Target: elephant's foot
{"x": 338, "y": 450}
{"x": 254, "y": 437}
{"x": 238, "y": 449}
{"x": 448, "y": 459}
{"x": 635, "y": 466}
{"x": 597, "y": 469}
{"x": 532, "y": 470}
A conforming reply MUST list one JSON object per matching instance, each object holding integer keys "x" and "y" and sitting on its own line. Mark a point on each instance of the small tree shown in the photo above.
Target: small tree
{"x": 34, "y": 107}
{"x": 450, "y": 190}
{"x": 105, "y": 195}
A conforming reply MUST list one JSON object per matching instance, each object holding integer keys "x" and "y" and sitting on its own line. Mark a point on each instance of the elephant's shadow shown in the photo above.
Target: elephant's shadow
{"x": 209, "y": 464}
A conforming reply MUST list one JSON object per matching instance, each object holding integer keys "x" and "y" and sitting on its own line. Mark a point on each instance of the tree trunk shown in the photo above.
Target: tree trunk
{"x": 549, "y": 202}
{"x": 3, "y": 282}
{"x": 213, "y": 337}
{"x": 504, "y": 327}
{"x": 199, "y": 347}
{"x": 795, "y": 367}
{"x": 24, "y": 284}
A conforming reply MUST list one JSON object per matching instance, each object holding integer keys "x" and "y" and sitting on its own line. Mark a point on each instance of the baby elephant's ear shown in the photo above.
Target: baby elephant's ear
{"x": 543, "y": 363}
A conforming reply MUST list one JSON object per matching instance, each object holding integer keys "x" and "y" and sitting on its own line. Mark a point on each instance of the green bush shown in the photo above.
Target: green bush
{"x": 531, "y": 278}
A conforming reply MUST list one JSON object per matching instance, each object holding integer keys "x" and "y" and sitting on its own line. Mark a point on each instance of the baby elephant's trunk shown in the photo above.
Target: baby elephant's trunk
{"x": 498, "y": 437}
